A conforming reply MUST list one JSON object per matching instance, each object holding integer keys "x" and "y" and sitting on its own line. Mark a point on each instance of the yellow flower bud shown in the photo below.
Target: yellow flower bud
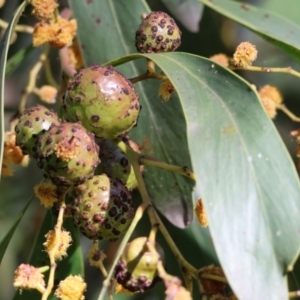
{"x": 51, "y": 240}
{"x": 244, "y": 55}
{"x": 43, "y": 9}
{"x": 72, "y": 288}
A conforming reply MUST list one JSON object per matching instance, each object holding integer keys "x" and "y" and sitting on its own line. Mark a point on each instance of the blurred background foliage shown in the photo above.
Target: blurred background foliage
{"x": 216, "y": 34}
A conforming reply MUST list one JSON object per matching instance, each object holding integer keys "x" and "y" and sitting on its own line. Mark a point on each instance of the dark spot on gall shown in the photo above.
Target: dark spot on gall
{"x": 112, "y": 212}
{"x": 28, "y": 124}
{"x": 124, "y": 162}
{"x": 95, "y": 118}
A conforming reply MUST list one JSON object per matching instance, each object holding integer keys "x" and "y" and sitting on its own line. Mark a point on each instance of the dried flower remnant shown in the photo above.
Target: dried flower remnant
{"x": 271, "y": 92}
{"x": 178, "y": 293}
{"x": 59, "y": 34}
{"x": 270, "y": 98}
{"x": 166, "y": 89}
{"x": 47, "y": 93}
{"x": 11, "y": 150}
{"x": 201, "y": 213}
{"x": 64, "y": 243}
{"x": 212, "y": 286}
{"x": 62, "y": 33}
{"x": 72, "y": 288}
{"x": 12, "y": 154}
{"x": 145, "y": 146}
{"x": 46, "y": 193}
{"x": 221, "y": 59}
{"x": 28, "y": 277}
{"x": 244, "y": 55}
{"x": 41, "y": 33}
{"x": 44, "y": 9}
{"x": 95, "y": 255}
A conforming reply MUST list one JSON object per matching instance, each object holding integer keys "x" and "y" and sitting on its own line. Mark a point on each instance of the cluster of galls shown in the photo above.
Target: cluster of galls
{"x": 78, "y": 154}
{"x": 100, "y": 105}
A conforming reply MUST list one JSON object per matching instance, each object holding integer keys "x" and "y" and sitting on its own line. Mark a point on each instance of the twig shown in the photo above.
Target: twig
{"x": 284, "y": 109}
{"x": 150, "y": 161}
{"x": 150, "y": 73}
{"x": 287, "y": 70}
{"x": 213, "y": 277}
{"x": 32, "y": 79}
{"x": 154, "y": 218}
{"x": 57, "y": 230}
{"x": 18, "y": 28}
{"x": 49, "y": 75}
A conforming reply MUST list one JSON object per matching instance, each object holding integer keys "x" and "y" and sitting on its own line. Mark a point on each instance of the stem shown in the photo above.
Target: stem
{"x": 153, "y": 216}
{"x": 150, "y": 161}
{"x": 57, "y": 230}
{"x": 44, "y": 269}
{"x": 32, "y": 79}
{"x": 138, "y": 215}
{"x": 148, "y": 75}
{"x": 213, "y": 277}
{"x": 188, "y": 279}
{"x": 162, "y": 272}
{"x": 56, "y": 14}
{"x": 284, "y": 109}
{"x": 152, "y": 234}
{"x": 186, "y": 267}
{"x": 287, "y": 70}
{"x": 40, "y": 288}
{"x": 201, "y": 290}
{"x": 49, "y": 74}
{"x": 154, "y": 162}
{"x": 102, "y": 269}
{"x": 18, "y": 28}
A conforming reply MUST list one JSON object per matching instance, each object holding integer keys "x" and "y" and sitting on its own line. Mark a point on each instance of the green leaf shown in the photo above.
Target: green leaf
{"x": 71, "y": 265}
{"x": 113, "y": 24}
{"x": 6, "y": 239}
{"x": 14, "y": 62}
{"x": 275, "y": 28}
{"x": 245, "y": 176}
{"x": 3, "y": 57}
{"x": 282, "y": 8}
{"x": 188, "y": 12}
